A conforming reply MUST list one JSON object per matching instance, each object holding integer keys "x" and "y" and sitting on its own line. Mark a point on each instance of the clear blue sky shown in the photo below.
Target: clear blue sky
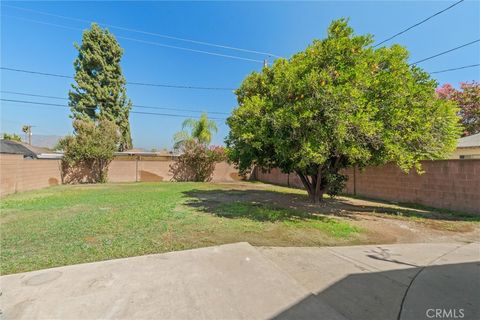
{"x": 282, "y": 28}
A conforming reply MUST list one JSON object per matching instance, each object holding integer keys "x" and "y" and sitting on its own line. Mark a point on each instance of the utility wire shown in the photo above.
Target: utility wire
{"x": 444, "y": 52}
{"x": 143, "y": 41}
{"x": 418, "y": 23}
{"x": 131, "y": 83}
{"x": 32, "y": 95}
{"x": 36, "y": 72}
{"x": 453, "y": 69}
{"x": 147, "y": 32}
{"x": 65, "y": 106}
{"x": 133, "y": 105}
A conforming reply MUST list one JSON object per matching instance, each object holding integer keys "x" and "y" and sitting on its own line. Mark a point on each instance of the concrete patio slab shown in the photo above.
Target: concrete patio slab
{"x": 449, "y": 287}
{"x": 238, "y": 281}
{"x": 384, "y": 282}
{"x": 230, "y": 281}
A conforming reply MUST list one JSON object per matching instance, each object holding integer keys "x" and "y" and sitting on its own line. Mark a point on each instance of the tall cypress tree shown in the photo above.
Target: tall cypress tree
{"x": 99, "y": 92}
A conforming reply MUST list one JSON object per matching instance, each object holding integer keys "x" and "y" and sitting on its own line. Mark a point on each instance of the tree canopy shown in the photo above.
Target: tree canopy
{"x": 197, "y": 160}
{"x": 468, "y": 101}
{"x": 11, "y": 137}
{"x": 99, "y": 92}
{"x": 339, "y": 103}
{"x": 201, "y": 131}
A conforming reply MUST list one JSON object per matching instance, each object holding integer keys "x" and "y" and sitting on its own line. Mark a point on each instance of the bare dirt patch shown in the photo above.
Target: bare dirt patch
{"x": 383, "y": 222}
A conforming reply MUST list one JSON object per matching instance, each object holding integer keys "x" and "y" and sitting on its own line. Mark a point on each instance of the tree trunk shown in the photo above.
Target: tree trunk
{"x": 313, "y": 185}
{"x": 318, "y": 187}
{"x": 307, "y": 185}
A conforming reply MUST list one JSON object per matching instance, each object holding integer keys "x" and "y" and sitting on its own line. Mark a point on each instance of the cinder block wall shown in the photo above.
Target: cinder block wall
{"x": 159, "y": 170}
{"x": 448, "y": 184}
{"x": 9, "y": 173}
{"x": 18, "y": 174}
{"x": 275, "y": 176}
{"x": 122, "y": 171}
{"x": 154, "y": 170}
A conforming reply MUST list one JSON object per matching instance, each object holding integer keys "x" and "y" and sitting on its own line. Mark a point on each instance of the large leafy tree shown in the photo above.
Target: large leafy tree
{"x": 468, "y": 101}
{"x": 201, "y": 131}
{"x": 99, "y": 92}
{"x": 337, "y": 104}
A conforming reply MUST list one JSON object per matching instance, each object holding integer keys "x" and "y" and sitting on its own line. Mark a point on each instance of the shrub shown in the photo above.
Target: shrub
{"x": 197, "y": 162}
{"x": 11, "y": 137}
{"x": 336, "y": 183}
{"x": 88, "y": 153}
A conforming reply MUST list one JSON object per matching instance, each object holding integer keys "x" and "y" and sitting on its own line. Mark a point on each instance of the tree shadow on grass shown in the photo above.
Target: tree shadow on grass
{"x": 364, "y": 204}
{"x": 267, "y": 205}
{"x": 257, "y": 205}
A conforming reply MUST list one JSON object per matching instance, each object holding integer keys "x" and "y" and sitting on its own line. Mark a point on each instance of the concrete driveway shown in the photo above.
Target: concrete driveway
{"x": 238, "y": 281}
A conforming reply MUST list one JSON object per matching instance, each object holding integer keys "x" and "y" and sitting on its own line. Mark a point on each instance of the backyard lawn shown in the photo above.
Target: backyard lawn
{"x": 84, "y": 223}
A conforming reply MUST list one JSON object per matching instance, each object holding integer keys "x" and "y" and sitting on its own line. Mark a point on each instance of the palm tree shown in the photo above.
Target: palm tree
{"x": 27, "y": 129}
{"x": 201, "y": 131}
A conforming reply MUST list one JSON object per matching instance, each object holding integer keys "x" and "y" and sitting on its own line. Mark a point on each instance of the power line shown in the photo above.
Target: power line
{"x": 172, "y": 115}
{"x": 133, "y": 105}
{"x": 178, "y": 109}
{"x": 136, "y": 112}
{"x": 32, "y": 95}
{"x": 418, "y": 23}
{"x": 179, "y": 86}
{"x": 143, "y": 41}
{"x": 131, "y": 83}
{"x": 147, "y": 32}
{"x": 444, "y": 52}
{"x": 453, "y": 69}
{"x": 36, "y": 72}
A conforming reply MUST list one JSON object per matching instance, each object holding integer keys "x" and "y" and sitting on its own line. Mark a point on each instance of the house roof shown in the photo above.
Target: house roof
{"x": 144, "y": 154}
{"x": 13, "y": 147}
{"x": 472, "y": 141}
{"x": 35, "y": 149}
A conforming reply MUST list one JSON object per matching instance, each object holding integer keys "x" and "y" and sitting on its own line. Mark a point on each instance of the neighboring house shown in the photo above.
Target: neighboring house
{"x": 14, "y": 147}
{"x": 467, "y": 148}
{"x": 28, "y": 151}
{"x": 32, "y": 152}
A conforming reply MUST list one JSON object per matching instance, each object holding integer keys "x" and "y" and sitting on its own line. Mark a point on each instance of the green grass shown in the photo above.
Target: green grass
{"x": 290, "y": 218}
{"x": 75, "y": 224}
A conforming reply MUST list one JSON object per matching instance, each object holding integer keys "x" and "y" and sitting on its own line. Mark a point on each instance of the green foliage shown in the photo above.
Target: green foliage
{"x": 201, "y": 131}
{"x": 11, "y": 137}
{"x": 468, "y": 101}
{"x": 197, "y": 162}
{"x": 335, "y": 183}
{"x": 99, "y": 92}
{"x": 339, "y": 103}
{"x": 92, "y": 147}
